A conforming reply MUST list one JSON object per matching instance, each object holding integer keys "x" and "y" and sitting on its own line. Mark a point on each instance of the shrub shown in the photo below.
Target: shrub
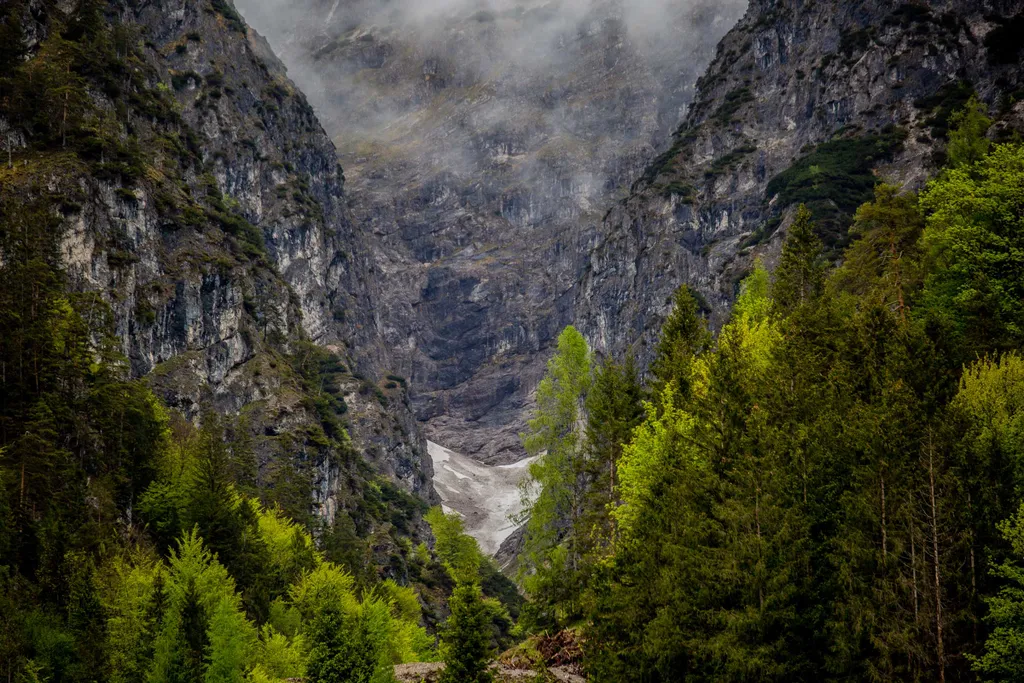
{"x": 836, "y": 178}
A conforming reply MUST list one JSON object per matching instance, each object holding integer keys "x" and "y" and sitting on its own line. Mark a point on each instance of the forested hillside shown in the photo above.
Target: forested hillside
{"x": 204, "y": 472}
{"x": 832, "y": 487}
{"x": 209, "y": 465}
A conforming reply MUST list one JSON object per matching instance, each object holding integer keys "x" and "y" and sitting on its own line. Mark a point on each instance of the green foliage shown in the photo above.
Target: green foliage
{"x": 972, "y": 236}
{"x": 684, "y": 336}
{"x": 733, "y": 101}
{"x": 465, "y": 643}
{"x": 834, "y": 179}
{"x": 614, "y": 409}
{"x": 967, "y": 128}
{"x": 341, "y": 649}
{"x": 800, "y": 275}
{"x": 822, "y": 501}
{"x": 881, "y": 266}
{"x": 551, "y": 552}
{"x": 941, "y": 106}
{"x": 203, "y": 633}
{"x": 457, "y": 551}
{"x": 1003, "y": 656}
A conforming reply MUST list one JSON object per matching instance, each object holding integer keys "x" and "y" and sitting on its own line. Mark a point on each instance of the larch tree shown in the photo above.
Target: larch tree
{"x": 558, "y": 477}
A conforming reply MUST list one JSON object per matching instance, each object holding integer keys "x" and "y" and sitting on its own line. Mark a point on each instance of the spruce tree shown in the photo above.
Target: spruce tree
{"x": 684, "y": 335}
{"x": 614, "y": 409}
{"x": 193, "y": 645}
{"x": 465, "y": 641}
{"x": 800, "y": 274}
{"x": 340, "y": 649}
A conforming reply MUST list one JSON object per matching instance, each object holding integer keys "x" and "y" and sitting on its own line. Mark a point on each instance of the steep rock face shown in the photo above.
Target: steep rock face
{"x": 483, "y": 142}
{"x": 235, "y": 276}
{"x": 845, "y": 90}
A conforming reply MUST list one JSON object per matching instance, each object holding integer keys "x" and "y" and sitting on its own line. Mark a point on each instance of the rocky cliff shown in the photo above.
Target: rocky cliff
{"x": 805, "y": 102}
{"x": 203, "y": 201}
{"x": 483, "y": 143}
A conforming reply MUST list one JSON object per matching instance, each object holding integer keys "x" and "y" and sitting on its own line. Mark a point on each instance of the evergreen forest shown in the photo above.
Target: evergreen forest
{"x": 827, "y": 487}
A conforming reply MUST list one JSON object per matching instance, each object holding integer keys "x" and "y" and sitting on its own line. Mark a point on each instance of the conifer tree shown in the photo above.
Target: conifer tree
{"x": 341, "y": 650}
{"x": 614, "y": 409}
{"x": 800, "y": 274}
{"x": 466, "y": 638}
{"x": 551, "y": 556}
{"x": 967, "y": 128}
{"x": 684, "y": 335}
{"x": 883, "y": 263}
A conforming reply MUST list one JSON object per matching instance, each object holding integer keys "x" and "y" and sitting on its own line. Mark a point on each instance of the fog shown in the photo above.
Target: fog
{"x": 331, "y": 46}
{"x": 482, "y": 142}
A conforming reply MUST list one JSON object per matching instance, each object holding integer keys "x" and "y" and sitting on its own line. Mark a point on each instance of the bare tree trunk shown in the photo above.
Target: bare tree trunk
{"x": 885, "y": 532}
{"x": 913, "y": 572}
{"x": 939, "y": 651}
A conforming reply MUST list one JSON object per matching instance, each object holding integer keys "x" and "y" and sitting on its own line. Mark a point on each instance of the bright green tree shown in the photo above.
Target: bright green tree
{"x": 551, "y": 557}
{"x": 975, "y": 240}
{"x": 1003, "y": 655}
{"x": 967, "y": 129}
{"x": 203, "y": 628}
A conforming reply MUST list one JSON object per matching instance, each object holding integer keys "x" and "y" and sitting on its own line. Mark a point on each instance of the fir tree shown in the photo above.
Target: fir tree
{"x": 340, "y": 648}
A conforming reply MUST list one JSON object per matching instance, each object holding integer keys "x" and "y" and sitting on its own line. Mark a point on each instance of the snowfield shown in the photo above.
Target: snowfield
{"x": 485, "y": 496}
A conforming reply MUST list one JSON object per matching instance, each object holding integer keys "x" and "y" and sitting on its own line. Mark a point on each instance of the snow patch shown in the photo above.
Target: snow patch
{"x": 486, "y": 497}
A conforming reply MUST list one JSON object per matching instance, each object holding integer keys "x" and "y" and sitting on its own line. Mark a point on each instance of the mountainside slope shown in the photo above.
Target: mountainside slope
{"x": 805, "y": 102}
{"x": 483, "y": 142}
{"x": 200, "y": 198}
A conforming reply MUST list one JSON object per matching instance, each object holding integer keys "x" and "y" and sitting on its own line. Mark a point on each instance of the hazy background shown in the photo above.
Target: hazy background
{"x": 483, "y": 141}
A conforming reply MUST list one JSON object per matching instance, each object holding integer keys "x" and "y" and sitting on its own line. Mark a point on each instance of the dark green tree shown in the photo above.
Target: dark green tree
{"x": 192, "y": 648}
{"x": 466, "y": 639}
{"x": 614, "y": 409}
{"x": 683, "y": 336}
{"x": 340, "y": 648}
{"x": 800, "y": 275}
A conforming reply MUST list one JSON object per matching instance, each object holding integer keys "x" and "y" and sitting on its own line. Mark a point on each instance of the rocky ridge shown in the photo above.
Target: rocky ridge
{"x": 482, "y": 146}
{"x": 804, "y": 102}
{"x": 215, "y": 226}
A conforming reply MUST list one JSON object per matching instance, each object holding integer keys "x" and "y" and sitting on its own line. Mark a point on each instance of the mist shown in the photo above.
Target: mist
{"x": 482, "y": 142}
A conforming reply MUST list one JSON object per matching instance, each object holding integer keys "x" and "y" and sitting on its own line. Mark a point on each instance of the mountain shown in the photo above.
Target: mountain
{"x": 804, "y": 102}
{"x": 482, "y": 145}
{"x": 200, "y": 198}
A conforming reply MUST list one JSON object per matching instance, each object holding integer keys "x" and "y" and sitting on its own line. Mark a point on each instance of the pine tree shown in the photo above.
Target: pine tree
{"x": 883, "y": 263}
{"x": 193, "y": 646}
{"x": 614, "y": 409}
{"x": 340, "y": 648}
